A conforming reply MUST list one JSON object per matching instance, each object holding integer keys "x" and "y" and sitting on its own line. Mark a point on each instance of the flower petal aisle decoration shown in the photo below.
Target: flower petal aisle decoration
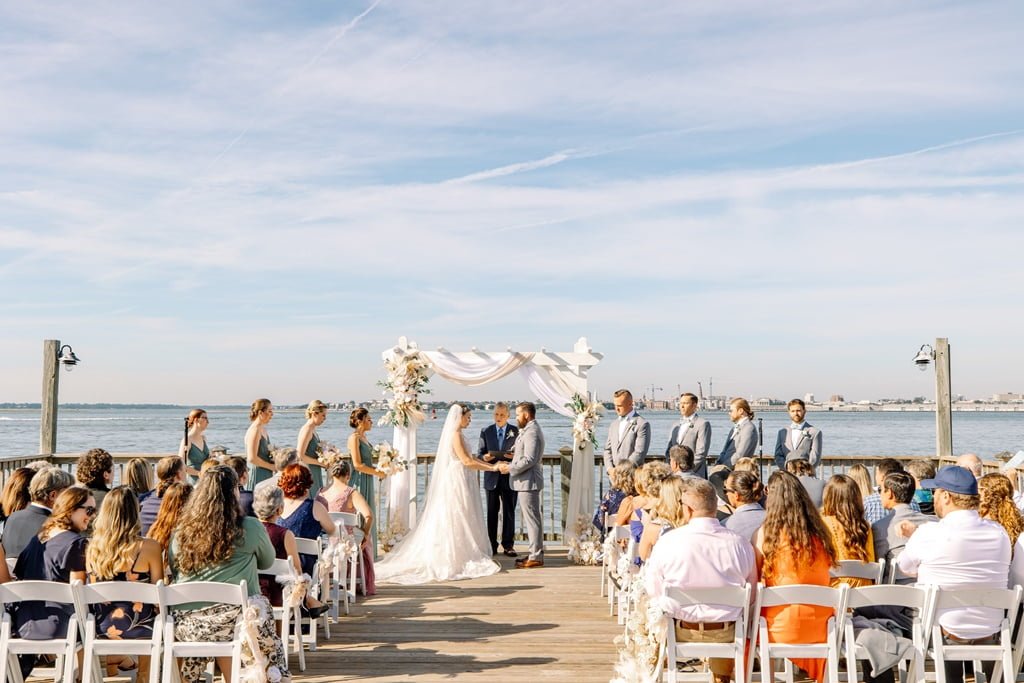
{"x": 641, "y": 647}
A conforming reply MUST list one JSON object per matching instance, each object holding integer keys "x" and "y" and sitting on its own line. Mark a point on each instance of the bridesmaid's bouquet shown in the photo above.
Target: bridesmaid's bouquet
{"x": 387, "y": 459}
{"x": 328, "y": 454}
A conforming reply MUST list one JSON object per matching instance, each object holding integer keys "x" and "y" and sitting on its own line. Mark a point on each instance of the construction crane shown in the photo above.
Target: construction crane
{"x": 700, "y": 391}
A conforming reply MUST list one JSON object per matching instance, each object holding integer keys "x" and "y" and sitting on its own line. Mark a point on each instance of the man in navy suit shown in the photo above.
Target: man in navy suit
{"x": 496, "y": 442}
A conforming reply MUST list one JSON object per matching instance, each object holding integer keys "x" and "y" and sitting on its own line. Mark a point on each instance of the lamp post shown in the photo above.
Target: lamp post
{"x": 54, "y": 355}
{"x": 943, "y": 396}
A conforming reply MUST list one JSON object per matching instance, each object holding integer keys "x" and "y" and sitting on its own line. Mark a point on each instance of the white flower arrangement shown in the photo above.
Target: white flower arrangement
{"x": 407, "y": 379}
{"x": 585, "y": 545}
{"x": 391, "y": 536}
{"x": 328, "y": 454}
{"x": 587, "y": 416}
{"x": 641, "y": 647}
{"x": 387, "y": 460}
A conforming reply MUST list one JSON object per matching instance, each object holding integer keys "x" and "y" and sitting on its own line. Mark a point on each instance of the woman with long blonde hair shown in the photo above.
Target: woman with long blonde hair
{"x": 794, "y": 546}
{"x": 118, "y": 552}
{"x": 860, "y": 474}
{"x": 257, "y": 442}
{"x": 843, "y": 513}
{"x": 138, "y": 476}
{"x": 308, "y": 445}
{"x": 996, "y": 491}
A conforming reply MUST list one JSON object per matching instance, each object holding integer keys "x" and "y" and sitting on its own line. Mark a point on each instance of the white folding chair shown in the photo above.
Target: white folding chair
{"x": 346, "y": 576}
{"x": 855, "y": 569}
{"x": 98, "y": 646}
{"x": 609, "y": 563}
{"x": 1005, "y": 599}
{"x": 737, "y": 597}
{"x": 908, "y": 597}
{"x": 290, "y": 617}
{"x": 624, "y": 597}
{"x": 819, "y": 596}
{"x": 314, "y": 547}
{"x": 11, "y": 561}
{"x": 11, "y": 645}
{"x": 608, "y": 527}
{"x": 204, "y": 592}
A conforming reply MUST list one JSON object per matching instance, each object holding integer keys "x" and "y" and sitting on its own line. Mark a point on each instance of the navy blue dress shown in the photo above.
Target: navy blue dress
{"x": 303, "y": 524}
{"x": 53, "y": 560}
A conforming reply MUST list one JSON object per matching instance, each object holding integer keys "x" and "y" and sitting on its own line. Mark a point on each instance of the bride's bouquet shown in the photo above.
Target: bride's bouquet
{"x": 387, "y": 459}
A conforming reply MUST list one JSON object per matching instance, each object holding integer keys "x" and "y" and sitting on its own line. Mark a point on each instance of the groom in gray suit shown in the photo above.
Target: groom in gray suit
{"x": 527, "y": 477}
{"x": 629, "y": 437}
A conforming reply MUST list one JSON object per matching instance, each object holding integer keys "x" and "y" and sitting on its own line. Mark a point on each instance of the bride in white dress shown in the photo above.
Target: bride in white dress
{"x": 449, "y": 541}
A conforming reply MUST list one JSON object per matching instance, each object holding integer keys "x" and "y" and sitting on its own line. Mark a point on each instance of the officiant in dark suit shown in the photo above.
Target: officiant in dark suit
{"x": 496, "y": 443}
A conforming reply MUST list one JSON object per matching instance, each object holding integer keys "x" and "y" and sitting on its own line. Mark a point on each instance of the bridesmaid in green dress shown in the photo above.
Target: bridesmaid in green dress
{"x": 309, "y": 444}
{"x": 257, "y": 443}
{"x": 362, "y": 462}
{"x": 193, "y": 450}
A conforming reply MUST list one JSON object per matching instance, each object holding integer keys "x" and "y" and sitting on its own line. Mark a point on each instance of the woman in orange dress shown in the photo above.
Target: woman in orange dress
{"x": 794, "y": 547}
{"x": 842, "y": 508}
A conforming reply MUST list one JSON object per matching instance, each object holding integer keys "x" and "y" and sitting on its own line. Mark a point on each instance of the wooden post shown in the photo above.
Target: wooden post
{"x": 943, "y": 400}
{"x": 48, "y": 408}
{"x": 566, "y": 467}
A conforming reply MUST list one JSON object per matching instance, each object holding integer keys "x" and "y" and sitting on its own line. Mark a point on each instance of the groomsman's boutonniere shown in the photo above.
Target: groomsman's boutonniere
{"x": 808, "y": 433}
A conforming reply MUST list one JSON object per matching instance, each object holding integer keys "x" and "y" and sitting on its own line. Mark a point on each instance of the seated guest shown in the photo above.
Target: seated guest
{"x": 216, "y": 542}
{"x": 921, "y": 470}
{"x": 873, "y": 510}
{"x": 997, "y": 504}
{"x": 804, "y": 471}
{"x": 744, "y": 491}
{"x": 700, "y": 553}
{"x": 860, "y": 474}
{"x": 44, "y": 487}
{"x": 972, "y": 463}
{"x": 171, "y": 504}
{"x": 56, "y": 554}
{"x": 340, "y": 496}
{"x": 241, "y": 468}
{"x": 138, "y": 477}
{"x": 960, "y": 550}
{"x": 745, "y": 465}
{"x": 621, "y": 478}
{"x": 843, "y": 513}
{"x": 303, "y": 517}
{"x": 268, "y": 503}
{"x": 15, "y": 495}
{"x": 897, "y": 492}
{"x": 795, "y": 547}
{"x": 169, "y": 470}
{"x": 680, "y": 459}
{"x": 95, "y": 470}
{"x": 282, "y": 458}
{"x": 118, "y": 552}
{"x": 653, "y": 475}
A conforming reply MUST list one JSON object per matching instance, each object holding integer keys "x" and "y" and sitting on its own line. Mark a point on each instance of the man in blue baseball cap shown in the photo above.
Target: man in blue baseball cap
{"x": 960, "y": 550}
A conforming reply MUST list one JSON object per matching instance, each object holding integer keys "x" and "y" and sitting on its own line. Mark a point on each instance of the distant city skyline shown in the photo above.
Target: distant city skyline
{"x": 213, "y": 203}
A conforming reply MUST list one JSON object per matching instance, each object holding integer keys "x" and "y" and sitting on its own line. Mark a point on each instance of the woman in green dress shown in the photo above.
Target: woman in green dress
{"x": 361, "y": 451}
{"x": 193, "y": 450}
{"x": 309, "y": 444}
{"x": 257, "y": 443}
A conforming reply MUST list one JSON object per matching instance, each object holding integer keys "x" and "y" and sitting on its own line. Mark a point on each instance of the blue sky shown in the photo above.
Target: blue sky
{"x": 222, "y": 200}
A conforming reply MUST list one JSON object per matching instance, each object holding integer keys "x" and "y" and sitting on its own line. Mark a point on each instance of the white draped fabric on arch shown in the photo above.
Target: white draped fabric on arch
{"x": 553, "y": 377}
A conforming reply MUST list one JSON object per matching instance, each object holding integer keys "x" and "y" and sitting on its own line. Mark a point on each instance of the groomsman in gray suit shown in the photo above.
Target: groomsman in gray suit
{"x": 798, "y": 441}
{"x": 629, "y": 437}
{"x": 527, "y": 477}
{"x": 694, "y": 432}
{"x": 742, "y": 439}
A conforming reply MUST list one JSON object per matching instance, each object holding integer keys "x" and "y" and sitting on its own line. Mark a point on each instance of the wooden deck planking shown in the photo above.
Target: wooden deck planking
{"x": 518, "y": 625}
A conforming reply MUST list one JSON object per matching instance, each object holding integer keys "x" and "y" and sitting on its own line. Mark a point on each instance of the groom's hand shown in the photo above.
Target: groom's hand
{"x": 503, "y": 468}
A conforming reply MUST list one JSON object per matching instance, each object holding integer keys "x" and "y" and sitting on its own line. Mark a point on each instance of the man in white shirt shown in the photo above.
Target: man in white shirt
{"x": 960, "y": 550}
{"x": 701, "y": 554}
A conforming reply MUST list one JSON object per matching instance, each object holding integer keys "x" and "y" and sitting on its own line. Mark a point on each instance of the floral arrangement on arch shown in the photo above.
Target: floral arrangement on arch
{"x": 641, "y": 647}
{"x": 407, "y": 379}
{"x": 587, "y": 415}
{"x": 390, "y": 536}
{"x": 585, "y": 546}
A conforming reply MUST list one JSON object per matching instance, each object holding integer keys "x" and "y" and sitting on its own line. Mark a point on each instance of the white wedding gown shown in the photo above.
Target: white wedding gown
{"x": 449, "y": 541}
